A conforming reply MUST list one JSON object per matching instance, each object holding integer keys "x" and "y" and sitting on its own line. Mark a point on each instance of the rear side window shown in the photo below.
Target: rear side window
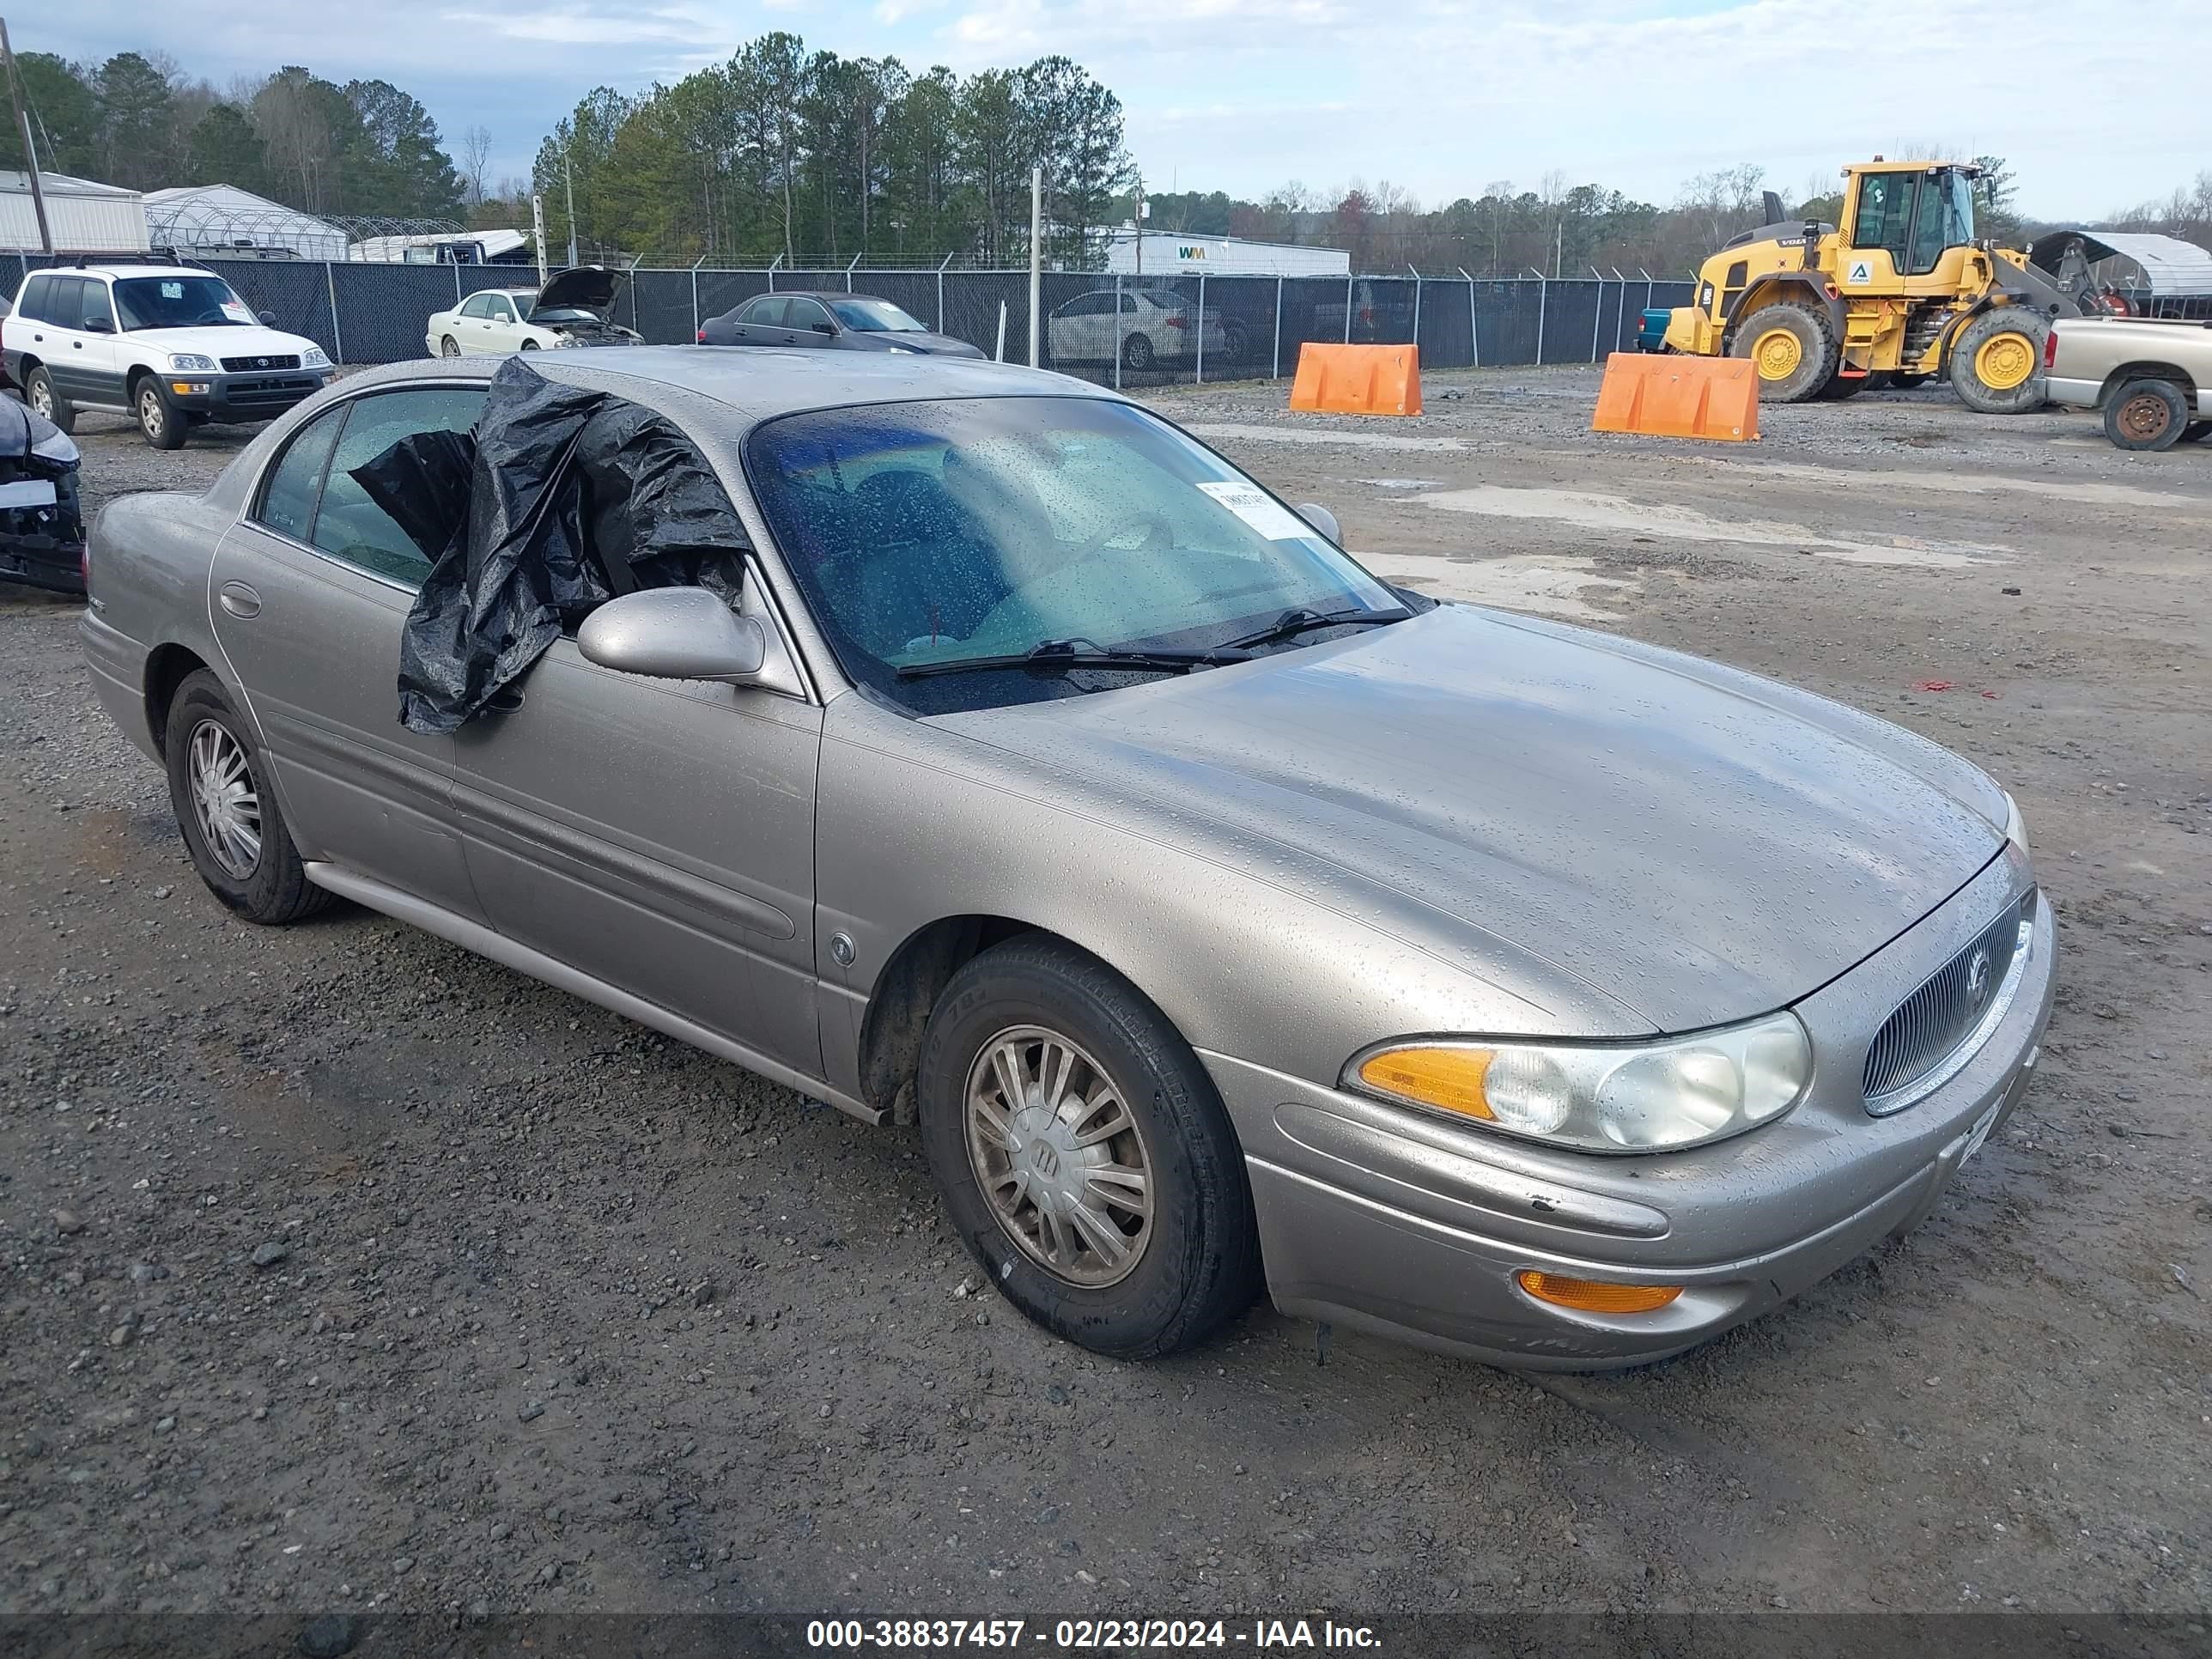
{"x": 63, "y": 299}
{"x": 287, "y": 493}
{"x": 766, "y": 313}
{"x": 32, "y": 308}
{"x": 349, "y": 526}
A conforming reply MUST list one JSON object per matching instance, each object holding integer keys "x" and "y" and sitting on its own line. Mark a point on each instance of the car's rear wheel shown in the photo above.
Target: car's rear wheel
{"x": 1137, "y": 353}
{"x": 1083, "y": 1153}
{"x": 2147, "y": 415}
{"x": 449, "y": 347}
{"x": 38, "y": 392}
{"x": 160, "y": 422}
{"x": 231, "y": 823}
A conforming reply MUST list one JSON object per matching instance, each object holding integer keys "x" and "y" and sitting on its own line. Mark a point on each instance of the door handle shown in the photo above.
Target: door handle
{"x": 239, "y": 599}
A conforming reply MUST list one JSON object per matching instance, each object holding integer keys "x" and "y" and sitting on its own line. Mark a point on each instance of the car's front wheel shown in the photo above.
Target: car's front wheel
{"x": 231, "y": 823}
{"x": 1084, "y": 1154}
{"x": 161, "y": 422}
{"x": 449, "y": 347}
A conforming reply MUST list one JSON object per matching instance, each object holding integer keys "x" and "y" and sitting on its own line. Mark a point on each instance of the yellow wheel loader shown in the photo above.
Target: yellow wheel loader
{"x": 1899, "y": 293}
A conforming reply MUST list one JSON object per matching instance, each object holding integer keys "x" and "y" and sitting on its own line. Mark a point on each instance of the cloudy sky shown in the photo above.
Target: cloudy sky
{"x": 2096, "y": 108}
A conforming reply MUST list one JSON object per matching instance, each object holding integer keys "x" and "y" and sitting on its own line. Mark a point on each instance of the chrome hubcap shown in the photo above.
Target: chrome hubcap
{"x": 42, "y": 399}
{"x": 1059, "y": 1155}
{"x": 150, "y": 410}
{"x": 224, "y": 799}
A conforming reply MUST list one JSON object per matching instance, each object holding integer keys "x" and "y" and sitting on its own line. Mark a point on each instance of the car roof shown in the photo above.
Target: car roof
{"x": 123, "y": 270}
{"x": 759, "y": 382}
{"x": 822, "y": 293}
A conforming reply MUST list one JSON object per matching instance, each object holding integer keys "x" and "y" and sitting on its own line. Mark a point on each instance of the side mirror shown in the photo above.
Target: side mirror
{"x": 823, "y": 328}
{"x": 267, "y": 319}
{"x": 674, "y": 634}
{"x": 1323, "y": 520}
{"x": 98, "y": 325}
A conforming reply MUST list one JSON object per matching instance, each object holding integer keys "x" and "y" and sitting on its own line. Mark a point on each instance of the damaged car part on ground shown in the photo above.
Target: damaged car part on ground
{"x": 1222, "y": 916}
{"x": 41, "y": 522}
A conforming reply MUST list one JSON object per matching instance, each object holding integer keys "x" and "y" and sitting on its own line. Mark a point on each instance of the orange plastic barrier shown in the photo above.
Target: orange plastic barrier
{"x": 1357, "y": 380}
{"x": 1668, "y": 396}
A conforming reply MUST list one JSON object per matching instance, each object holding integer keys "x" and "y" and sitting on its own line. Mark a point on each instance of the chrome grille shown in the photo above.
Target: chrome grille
{"x": 1929, "y": 1026}
{"x": 246, "y": 365}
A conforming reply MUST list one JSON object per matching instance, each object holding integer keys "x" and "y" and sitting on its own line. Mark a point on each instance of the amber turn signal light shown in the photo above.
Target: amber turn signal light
{"x": 1595, "y": 1295}
{"x": 1449, "y": 1078}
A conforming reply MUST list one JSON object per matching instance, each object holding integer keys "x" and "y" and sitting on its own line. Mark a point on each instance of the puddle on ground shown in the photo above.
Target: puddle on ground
{"x": 1402, "y": 484}
{"x": 1684, "y": 524}
{"x": 1550, "y": 587}
{"x": 1986, "y": 484}
{"x": 1296, "y": 434}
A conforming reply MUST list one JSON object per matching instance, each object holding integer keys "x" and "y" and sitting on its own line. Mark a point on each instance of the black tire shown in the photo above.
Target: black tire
{"x": 530, "y": 345}
{"x": 1904, "y": 382}
{"x": 1816, "y": 357}
{"x": 1137, "y": 353}
{"x": 1992, "y": 342}
{"x": 275, "y": 890}
{"x": 39, "y": 394}
{"x": 2147, "y": 415}
{"x": 449, "y": 347}
{"x": 161, "y": 422}
{"x": 1236, "y": 342}
{"x": 1198, "y": 1264}
{"x": 1850, "y": 386}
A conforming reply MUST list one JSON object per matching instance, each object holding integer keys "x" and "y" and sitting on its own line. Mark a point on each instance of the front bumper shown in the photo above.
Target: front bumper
{"x": 1410, "y": 1226}
{"x": 257, "y": 395}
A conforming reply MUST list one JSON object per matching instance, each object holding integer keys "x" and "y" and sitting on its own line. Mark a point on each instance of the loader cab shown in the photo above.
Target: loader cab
{"x": 1914, "y": 213}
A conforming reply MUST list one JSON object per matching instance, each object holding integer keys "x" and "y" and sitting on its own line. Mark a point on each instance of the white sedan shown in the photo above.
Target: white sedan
{"x": 574, "y": 308}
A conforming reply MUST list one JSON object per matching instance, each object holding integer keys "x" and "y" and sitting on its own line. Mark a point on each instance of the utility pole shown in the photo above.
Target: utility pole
{"x": 538, "y": 226}
{"x": 568, "y": 174}
{"x": 23, "y": 128}
{"x": 1139, "y": 223}
{"x": 1037, "y": 255}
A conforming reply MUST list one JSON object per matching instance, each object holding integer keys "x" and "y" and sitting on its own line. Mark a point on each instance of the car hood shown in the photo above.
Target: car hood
{"x": 936, "y": 345}
{"x": 229, "y": 340}
{"x": 1694, "y": 843}
{"x": 581, "y": 287}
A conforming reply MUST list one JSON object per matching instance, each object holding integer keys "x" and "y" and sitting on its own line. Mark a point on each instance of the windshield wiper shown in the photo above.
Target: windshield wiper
{"x": 1302, "y": 619}
{"x": 1061, "y": 656}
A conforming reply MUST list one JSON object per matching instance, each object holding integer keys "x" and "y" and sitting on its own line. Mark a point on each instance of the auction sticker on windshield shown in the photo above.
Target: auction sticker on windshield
{"x": 1261, "y": 510}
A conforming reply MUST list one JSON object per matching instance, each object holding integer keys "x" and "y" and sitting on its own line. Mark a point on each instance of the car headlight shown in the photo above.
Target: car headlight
{"x": 2015, "y": 826}
{"x": 1602, "y": 1097}
{"x": 312, "y": 357}
{"x": 182, "y": 362}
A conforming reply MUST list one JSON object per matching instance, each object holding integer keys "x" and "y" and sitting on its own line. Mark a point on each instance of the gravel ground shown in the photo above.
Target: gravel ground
{"x": 339, "y": 1268}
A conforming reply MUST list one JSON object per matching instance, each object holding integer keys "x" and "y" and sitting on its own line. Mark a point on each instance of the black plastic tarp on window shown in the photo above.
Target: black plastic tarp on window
{"x": 559, "y": 499}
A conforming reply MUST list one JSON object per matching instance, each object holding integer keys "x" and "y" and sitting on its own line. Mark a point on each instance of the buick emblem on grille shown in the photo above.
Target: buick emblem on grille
{"x": 1978, "y": 974}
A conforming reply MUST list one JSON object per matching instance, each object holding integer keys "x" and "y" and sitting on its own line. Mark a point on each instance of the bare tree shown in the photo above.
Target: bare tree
{"x": 475, "y": 158}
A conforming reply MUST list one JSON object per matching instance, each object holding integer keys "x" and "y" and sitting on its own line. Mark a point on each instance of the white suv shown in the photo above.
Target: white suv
{"x": 173, "y": 346}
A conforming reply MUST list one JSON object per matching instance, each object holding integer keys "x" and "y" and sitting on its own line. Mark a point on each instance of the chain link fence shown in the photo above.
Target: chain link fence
{"x": 1130, "y": 331}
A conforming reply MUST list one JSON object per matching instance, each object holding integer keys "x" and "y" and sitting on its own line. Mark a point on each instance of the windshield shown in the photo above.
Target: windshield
{"x": 875, "y": 317}
{"x": 524, "y": 298}
{"x": 179, "y": 302}
{"x": 935, "y": 531}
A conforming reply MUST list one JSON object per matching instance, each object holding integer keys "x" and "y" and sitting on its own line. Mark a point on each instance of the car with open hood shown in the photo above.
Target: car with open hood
{"x": 827, "y": 319}
{"x": 573, "y": 307}
{"x": 172, "y": 346}
{"x": 975, "y": 751}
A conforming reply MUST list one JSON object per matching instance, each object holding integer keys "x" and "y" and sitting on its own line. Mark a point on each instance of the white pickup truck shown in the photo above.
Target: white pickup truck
{"x": 2151, "y": 376}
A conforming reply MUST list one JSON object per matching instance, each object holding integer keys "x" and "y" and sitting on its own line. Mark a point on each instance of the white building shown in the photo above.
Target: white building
{"x": 1163, "y": 253}
{"x": 85, "y": 217}
{"x": 449, "y": 247}
{"x": 222, "y": 221}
